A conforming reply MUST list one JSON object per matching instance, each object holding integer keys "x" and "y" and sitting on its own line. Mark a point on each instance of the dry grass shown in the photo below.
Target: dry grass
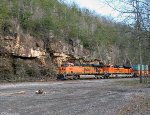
{"x": 139, "y": 105}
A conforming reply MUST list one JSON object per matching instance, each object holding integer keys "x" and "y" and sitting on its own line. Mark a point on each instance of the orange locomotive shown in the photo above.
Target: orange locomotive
{"x": 98, "y": 71}
{"x": 117, "y": 71}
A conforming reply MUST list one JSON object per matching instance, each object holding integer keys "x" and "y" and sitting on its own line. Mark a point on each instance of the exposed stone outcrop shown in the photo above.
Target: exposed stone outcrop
{"x": 70, "y": 51}
{"x": 73, "y": 51}
{"x": 24, "y": 46}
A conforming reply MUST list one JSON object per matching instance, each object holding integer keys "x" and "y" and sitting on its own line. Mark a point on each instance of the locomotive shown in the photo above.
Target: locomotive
{"x": 71, "y": 71}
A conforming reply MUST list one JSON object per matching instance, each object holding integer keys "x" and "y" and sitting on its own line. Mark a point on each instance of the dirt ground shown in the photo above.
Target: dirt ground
{"x": 80, "y": 97}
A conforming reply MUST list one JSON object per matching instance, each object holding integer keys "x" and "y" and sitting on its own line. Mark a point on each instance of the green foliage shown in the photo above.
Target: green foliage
{"x": 40, "y": 17}
{"x": 24, "y": 19}
{"x": 59, "y": 18}
{"x": 4, "y": 13}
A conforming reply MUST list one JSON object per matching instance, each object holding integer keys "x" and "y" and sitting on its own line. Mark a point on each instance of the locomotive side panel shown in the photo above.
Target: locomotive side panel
{"x": 89, "y": 70}
{"x": 108, "y": 70}
{"x": 74, "y": 70}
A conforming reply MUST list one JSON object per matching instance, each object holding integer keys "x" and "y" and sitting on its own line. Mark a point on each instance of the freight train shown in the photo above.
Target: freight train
{"x": 71, "y": 71}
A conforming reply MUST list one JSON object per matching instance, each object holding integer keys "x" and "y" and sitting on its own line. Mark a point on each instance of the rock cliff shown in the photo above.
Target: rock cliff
{"x": 21, "y": 53}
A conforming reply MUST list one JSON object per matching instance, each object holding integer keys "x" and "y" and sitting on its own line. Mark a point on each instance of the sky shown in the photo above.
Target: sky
{"x": 101, "y": 7}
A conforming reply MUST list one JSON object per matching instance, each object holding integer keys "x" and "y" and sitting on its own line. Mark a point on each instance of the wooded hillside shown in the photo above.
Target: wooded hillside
{"x": 52, "y": 20}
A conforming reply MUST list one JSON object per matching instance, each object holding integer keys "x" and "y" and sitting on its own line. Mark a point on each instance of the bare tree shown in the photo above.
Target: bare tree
{"x": 137, "y": 14}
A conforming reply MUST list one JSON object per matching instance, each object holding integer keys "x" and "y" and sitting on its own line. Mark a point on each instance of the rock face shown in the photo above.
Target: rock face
{"x": 64, "y": 52}
{"x": 73, "y": 51}
{"x": 34, "y": 57}
{"x": 22, "y": 57}
{"x": 24, "y": 46}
